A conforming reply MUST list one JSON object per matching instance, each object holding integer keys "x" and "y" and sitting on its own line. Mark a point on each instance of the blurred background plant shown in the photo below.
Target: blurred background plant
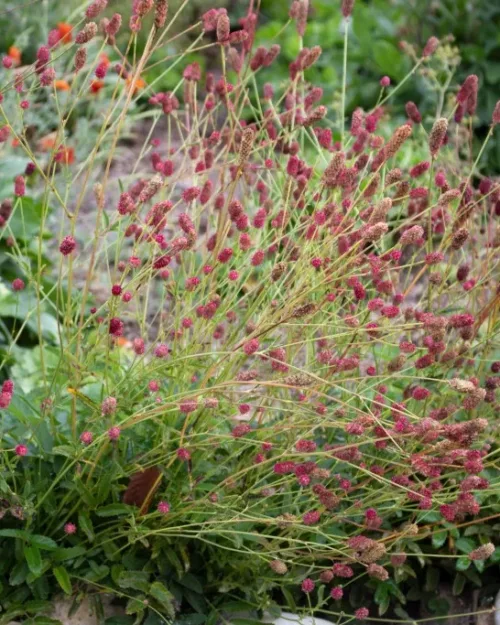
{"x": 379, "y": 27}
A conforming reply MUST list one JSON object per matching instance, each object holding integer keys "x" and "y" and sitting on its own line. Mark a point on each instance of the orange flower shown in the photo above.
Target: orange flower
{"x": 104, "y": 58}
{"x": 47, "y": 143}
{"x": 15, "y": 142}
{"x": 61, "y": 85}
{"x": 65, "y": 31}
{"x": 65, "y": 155}
{"x": 15, "y": 55}
{"x": 138, "y": 84}
{"x": 96, "y": 86}
{"x": 121, "y": 341}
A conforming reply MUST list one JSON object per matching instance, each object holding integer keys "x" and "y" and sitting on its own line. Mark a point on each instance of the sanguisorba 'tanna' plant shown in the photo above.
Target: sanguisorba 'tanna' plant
{"x": 276, "y": 341}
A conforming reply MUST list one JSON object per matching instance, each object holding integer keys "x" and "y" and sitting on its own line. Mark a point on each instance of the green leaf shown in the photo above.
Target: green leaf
{"x": 98, "y": 572}
{"x": 290, "y": 601}
{"x": 235, "y": 606}
{"x": 465, "y": 545}
{"x": 63, "y": 579}
{"x": 458, "y": 584}
{"x": 159, "y": 592}
{"x": 431, "y": 579}
{"x": 462, "y": 563}
{"x": 114, "y": 509}
{"x": 190, "y": 581}
{"x": 111, "y": 551}
{"x": 85, "y": 524}
{"x": 190, "y": 619}
{"x": 34, "y": 559}
{"x": 439, "y": 605}
{"x": 41, "y": 588}
{"x": 395, "y": 591}
{"x": 18, "y": 574}
{"x": 11, "y": 615}
{"x": 139, "y": 580}
{"x": 153, "y": 618}
{"x": 135, "y": 606}
{"x": 14, "y": 534}
{"x": 69, "y": 553}
{"x": 195, "y": 601}
{"x": 439, "y": 538}
{"x": 43, "y": 542}
{"x": 42, "y": 620}
{"x": 387, "y": 57}
{"x": 382, "y": 598}
{"x": 64, "y": 450}
{"x": 402, "y": 613}
{"x": 174, "y": 559}
{"x": 38, "y": 606}
{"x": 474, "y": 577}
{"x": 42, "y": 433}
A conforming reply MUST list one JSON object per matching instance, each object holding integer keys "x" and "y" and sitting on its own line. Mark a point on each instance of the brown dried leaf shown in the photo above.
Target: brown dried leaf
{"x": 141, "y": 488}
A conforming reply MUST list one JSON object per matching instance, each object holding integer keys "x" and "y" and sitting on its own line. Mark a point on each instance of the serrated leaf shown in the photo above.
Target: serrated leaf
{"x": 139, "y": 580}
{"x": 98, "y": 572}
{"x": 135, "y": 606}
{"x": 34, "y": 559}
{"x": 174, "y": 559}
{"x": 159, "y": 592}
{"x": 63, "y": 579}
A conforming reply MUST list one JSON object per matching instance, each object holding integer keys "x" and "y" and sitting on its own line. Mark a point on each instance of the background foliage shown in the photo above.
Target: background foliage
{"x": 378, "y": 28}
